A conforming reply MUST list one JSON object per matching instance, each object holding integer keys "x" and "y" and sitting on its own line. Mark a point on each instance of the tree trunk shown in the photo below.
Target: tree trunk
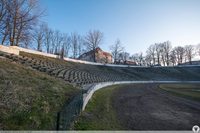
{"x": 94, "y": 55}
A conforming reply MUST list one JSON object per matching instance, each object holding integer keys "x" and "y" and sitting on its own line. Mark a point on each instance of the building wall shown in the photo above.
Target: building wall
{"x": 101, "y": 58}
{"x": 110, "y": 59}
{"x": 87, "y": 57}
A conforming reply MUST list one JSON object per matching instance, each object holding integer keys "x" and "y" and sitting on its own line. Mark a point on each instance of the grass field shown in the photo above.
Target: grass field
{"x": 30, "y": 100}
{"x": 99, "y": 113}
{"x": 191, "y": 91}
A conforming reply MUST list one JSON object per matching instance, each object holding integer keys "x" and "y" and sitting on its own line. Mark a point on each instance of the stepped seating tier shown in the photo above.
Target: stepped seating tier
{"x": 81, "y": 74}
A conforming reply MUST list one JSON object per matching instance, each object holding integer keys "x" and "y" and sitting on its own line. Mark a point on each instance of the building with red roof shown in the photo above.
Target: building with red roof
{"x": 100, "y": 56}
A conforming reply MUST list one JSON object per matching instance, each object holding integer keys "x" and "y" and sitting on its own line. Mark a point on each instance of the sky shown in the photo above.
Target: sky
{"x": 137, "y": 23}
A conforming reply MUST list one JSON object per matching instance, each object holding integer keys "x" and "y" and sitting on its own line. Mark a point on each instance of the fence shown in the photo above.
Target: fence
{"x": 69, "y": 112}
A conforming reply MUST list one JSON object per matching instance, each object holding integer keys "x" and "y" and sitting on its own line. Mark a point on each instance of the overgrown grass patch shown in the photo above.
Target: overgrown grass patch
{"x": 191, "y": 91}
{"x": 30, "y": 100}
{"x": 99, "y": 113}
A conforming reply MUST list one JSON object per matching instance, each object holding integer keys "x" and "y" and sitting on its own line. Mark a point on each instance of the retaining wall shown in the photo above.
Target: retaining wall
{"x": 94, "y": 87}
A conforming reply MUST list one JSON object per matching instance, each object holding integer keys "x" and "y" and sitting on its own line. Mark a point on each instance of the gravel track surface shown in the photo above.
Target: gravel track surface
{"x": 146, "y": 107}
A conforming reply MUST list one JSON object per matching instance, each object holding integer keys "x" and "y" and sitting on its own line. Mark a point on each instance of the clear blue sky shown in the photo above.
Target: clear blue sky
{"x": 137, "y": 23}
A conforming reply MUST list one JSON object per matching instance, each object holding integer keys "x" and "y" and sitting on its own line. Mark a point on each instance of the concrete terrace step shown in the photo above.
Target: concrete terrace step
{"x": 81, "y": 74}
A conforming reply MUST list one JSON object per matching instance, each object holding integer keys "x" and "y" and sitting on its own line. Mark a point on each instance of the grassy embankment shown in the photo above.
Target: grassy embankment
{"x": 30, "y": 100}
{"x": 190, "y": 91}
{"x": 99, "y": 113}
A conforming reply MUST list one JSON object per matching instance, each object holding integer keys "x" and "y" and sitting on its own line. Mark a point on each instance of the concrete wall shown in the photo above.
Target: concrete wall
{"x": 81, "y": 61}
{"x": 34, "y": 52}
{"x": 10, "y": 50}
{"x": 94, "y": 87}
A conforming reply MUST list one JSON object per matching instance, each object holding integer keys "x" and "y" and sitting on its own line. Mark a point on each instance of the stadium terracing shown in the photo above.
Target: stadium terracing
{"x": 79, "y": 74}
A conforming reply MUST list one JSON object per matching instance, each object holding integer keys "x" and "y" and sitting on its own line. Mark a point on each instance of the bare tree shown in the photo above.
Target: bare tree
{"x": 58, "y": 41}
{"x": 162, "y": 54}
{"x": 116, "y": 49}
{"x": 74, "y": 44}
{"x": 3, "y": 22}
{"x": 52, "y": 42}
{"x": 126, "y": 56}
{"x": 148, "y": 60}
{"x": 135, "y": 58}
{"x": 140, "y": 57}
{"x": 158, "y": 52}
{"x": 189, "y": 52}
{"x": 66, "y": 44}
{"x": 62, "y": 52}
{"x": 123, "y": 56}
{"x": 5, "y": 30}
{"x": 179, "y": 54}
{"x": 39, "y": 37}
{"x": 80, "y": 46}
{"x": 167, "y": 49}
{"x": 22, "y": 16}
{"x": 27, "y": 40}
{"x": 151, "y": 52}
{"x": 48, "y": 33}
{"x": 165, "y": 55}
{"x": 198, "y": 49}
{"x": 3, "y": 11}
{"x": 92, "y": 40}
{"x": 173, "y": 57}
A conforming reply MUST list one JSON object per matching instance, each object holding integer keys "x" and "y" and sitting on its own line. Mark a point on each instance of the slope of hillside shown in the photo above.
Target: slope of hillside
{"x": 30, "y": 100}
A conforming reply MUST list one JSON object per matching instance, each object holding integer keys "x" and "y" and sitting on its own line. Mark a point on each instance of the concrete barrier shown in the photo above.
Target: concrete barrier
{"x": 94, "y": 87}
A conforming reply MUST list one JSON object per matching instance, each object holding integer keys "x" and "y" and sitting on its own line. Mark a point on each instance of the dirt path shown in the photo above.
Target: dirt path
{"x": 145, "y": 107}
